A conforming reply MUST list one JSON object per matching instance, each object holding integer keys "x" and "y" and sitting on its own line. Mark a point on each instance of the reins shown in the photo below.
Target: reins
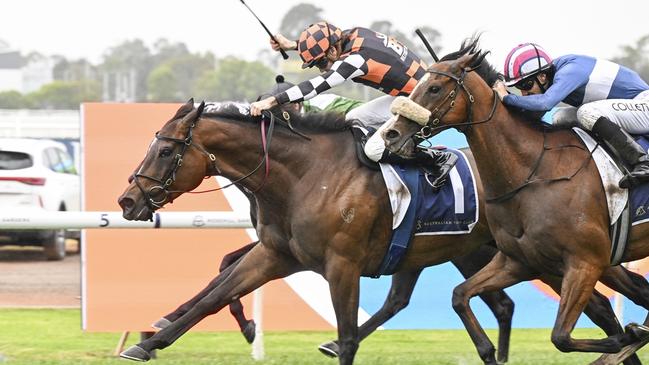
{"x": 528, "y": 181}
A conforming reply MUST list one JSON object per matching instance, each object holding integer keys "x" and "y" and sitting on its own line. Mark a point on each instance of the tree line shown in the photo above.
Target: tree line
{"x": 168, "y": 72}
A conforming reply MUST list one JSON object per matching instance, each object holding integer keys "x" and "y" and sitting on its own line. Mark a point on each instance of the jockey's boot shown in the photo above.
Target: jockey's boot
{"x": 627, "y": 149}
{"x": 436, "y": 163}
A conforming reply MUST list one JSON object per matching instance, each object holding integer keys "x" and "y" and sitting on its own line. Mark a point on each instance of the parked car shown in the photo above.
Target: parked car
{"x": 38, "y": 175}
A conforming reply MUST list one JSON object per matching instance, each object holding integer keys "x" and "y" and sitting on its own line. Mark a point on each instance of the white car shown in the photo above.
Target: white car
{"x": 39, "y": 175}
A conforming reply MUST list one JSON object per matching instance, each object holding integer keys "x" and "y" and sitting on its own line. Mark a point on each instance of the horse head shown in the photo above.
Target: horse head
{"x": 444, "y": 98}
{"x": 170, "y": 167}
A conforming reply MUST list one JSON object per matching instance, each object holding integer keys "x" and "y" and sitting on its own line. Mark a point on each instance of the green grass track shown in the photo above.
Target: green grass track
{"x": 53, "y": 336}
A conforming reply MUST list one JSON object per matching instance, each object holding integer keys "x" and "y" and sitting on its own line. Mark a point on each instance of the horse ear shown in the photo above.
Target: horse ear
{"x": 464, "y": 62}
{"x": 184, "y": 109}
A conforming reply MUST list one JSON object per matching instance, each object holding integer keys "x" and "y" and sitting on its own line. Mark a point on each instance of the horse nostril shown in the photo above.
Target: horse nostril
{"x": 126, "y": 203}
{"x": 391, "y": 134}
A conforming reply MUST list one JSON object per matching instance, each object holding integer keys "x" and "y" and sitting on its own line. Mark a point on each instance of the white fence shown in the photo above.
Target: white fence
{"x": 78, "y": 220}
{"x": 83, "y": 220}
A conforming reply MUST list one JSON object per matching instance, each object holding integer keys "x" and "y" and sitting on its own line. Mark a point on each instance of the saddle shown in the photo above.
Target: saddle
{"x": 360, "y": 138}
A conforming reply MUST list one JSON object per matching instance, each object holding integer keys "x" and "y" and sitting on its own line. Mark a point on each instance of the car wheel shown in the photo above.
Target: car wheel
{"x": 54, "y": 245}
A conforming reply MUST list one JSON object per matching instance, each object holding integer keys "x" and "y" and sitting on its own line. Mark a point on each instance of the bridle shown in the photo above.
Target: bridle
{"x": 437, "y": 114}
{"x": 169, "y": 178}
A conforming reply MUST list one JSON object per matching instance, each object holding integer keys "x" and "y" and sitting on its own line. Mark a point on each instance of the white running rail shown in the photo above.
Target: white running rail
{"x": 80, "y": 220}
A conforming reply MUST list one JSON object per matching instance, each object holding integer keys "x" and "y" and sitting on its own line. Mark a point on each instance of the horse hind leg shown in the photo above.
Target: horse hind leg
{"x": 255, "y": 269}
{"x": 247, "y": 327}
{"x": 577, "y": 287}
{"x": 599, "y": 311}
{"x": 635, "y": 288}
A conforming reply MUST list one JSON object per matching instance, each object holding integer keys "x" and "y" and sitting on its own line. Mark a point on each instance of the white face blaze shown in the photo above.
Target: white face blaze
{"x": 153, "y": 141}
{"x": 423, "y": 80}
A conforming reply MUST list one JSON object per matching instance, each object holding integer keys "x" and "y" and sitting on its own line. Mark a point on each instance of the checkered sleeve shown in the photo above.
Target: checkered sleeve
{"x": 344, "y": 69}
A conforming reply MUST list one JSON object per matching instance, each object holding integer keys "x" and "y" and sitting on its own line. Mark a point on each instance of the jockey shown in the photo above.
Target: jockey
{"x": 611, "y": 99}
{"x": 366, "y": 57}
{"x": 319, "y": 103}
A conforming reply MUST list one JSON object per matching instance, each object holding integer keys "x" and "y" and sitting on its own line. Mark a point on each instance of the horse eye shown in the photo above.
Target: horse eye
{"x": 165, "y": 152}
{"x": 434, "y": 89}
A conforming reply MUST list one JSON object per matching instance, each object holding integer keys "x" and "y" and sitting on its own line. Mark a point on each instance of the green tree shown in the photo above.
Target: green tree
{"x": 175, "y": 79}
{"x": 162, "y": 85}
{"x": 298, "y": 18}
{"x": 65, "y": 94}
{"x": 78, "y": 70}
{"x": 13, "y": 100}
{"x": 636, "y": 57}
{"x": 131, "y": 58}
{"x": 234, "y": 79}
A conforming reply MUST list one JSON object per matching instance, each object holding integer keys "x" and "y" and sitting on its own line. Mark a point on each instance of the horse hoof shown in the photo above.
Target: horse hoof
{"x": 161, "y": 323}
{"x": 638, "y": 331}
{"x": 135, "y": 353}
{"x": 330, "y": 349}
{"x": 250, "y": 331}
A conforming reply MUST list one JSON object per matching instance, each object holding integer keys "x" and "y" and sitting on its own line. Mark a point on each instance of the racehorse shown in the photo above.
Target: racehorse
{"x": 545, "y": 203}
{"x": 337, "y": 225}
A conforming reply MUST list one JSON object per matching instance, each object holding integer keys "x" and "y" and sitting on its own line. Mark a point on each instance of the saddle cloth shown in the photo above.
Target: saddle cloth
{"x": 617, "y": 198}
{"x": 419, "y": 210}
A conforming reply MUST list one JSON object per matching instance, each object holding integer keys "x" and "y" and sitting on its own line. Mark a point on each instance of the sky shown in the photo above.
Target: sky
{"x": 87, "y": 28}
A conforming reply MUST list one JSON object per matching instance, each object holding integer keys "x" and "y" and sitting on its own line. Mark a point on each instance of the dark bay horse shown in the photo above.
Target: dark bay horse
{"x": 336, "y": 224}
{"x": 548, "y": 214}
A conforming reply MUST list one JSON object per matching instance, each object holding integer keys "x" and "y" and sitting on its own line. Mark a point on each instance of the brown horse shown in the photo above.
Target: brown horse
{"x": 335, "y": 224}
{"x": 545, "y": 203}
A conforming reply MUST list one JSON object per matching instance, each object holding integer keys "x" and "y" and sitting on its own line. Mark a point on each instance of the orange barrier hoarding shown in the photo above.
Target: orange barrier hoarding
{"x": 133, "y": 277}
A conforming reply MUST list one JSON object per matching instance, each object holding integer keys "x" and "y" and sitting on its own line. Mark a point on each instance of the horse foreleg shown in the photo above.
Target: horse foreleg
{"x": 499, "y": 273}
{"x": 403, "y": 283}
{"x": 344, "y": 283}
{"x": 255, "y": 269}
{"x": 498, "y": 302}
{"x": 236, "y": 307}
{"x": 576, "y": 289}
{"x": 185, "y": 307}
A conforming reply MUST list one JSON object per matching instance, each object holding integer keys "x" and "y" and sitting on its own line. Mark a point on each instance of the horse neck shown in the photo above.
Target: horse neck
{"x": 238, "y": 150}
{"x": 505, "y": 149}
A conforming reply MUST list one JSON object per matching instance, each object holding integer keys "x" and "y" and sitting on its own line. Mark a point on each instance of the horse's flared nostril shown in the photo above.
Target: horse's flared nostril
{"x": 391, "y": 134}
{"x": 126, "y": 203}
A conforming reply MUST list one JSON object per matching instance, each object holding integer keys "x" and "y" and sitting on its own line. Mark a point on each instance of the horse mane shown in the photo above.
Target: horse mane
{"x": 321, "y": 122}
{"x": 471, "y": 46}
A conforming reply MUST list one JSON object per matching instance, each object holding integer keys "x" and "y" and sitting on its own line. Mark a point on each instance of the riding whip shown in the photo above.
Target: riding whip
{"x": 284, "y": 55}
{"x": 423, "y": 39}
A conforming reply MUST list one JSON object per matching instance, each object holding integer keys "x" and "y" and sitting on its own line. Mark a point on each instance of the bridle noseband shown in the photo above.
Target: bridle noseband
{"x": 437, "y": 114}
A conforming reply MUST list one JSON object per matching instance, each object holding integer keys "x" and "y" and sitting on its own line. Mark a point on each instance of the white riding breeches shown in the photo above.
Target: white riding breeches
{"x": 632, "y": 115}
{"x": 373, "y": 114}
